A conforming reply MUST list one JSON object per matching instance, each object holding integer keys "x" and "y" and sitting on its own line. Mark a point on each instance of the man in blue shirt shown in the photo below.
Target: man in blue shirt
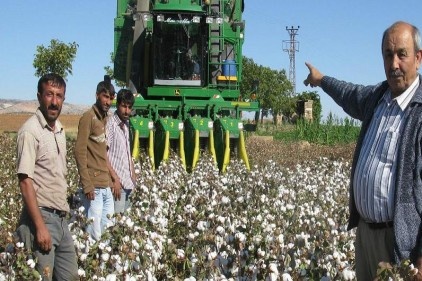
{"x": 386, "y": 177}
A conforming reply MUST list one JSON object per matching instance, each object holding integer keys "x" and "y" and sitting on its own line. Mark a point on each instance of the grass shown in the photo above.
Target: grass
{"x": 331, "y": 132}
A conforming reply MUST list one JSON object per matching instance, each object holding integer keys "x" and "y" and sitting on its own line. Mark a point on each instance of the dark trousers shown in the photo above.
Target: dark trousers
{"x": 60, "y": 263}
{"x": 373, "y": 245}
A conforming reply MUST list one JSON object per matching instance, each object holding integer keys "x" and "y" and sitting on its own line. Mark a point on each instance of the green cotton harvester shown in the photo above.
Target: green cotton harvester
{"x": 183, "y": 61}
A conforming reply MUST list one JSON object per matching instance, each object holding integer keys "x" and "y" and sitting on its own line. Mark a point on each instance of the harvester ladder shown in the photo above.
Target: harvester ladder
{"x": 216, "y": 42}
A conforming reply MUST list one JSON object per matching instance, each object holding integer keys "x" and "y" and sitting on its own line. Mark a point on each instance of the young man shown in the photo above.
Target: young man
{"x": 122, "y": 168}
{"x": 41, "y": 169}
{"x": 91, "y": 159}
{"x": 386, "y": 177}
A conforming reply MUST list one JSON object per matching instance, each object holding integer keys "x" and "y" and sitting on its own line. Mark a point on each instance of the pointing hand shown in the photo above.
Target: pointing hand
{"x": 314, "y": 77}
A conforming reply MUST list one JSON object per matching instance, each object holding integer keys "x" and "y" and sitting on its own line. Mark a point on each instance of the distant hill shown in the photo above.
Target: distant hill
{"x": 12, "y": 106}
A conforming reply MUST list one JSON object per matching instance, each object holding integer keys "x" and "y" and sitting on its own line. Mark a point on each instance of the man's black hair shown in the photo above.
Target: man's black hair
{"x": 52, "y": 79}
{"x": 106, "y": 86}
{"x": 125, "y": 96}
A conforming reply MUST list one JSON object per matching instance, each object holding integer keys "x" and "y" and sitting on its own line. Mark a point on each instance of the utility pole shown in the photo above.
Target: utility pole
{"x": 291, "y": 47}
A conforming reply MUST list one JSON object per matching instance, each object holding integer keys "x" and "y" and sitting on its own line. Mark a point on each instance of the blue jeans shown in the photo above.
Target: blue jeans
{"x": 61, "y": 259}
{"x": 98, "y": 209}
{"x": 120, "y": 206}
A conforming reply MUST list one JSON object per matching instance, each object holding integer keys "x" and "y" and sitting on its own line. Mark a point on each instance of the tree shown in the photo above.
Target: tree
{"x": 56, "y": 58}
{"x": 274, "y": 89}
{"x": 249, "y": 85}
{"x": 110, "y": 72}
{"x": 278, "y": 90}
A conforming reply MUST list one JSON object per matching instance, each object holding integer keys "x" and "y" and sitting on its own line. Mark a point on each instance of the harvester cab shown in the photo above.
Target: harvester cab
{"x": 183, "y": 61}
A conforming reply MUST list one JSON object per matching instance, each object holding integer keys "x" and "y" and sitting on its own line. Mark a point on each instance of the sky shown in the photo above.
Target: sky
{"x": 342, "y": 38}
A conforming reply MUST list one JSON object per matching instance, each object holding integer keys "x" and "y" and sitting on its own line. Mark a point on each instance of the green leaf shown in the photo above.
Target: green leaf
{"x": 56, "y": 58}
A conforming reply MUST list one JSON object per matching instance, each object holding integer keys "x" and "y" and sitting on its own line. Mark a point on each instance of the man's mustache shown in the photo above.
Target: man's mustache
{"x": 53, "y": 107}
{"x": 396, "y": 73}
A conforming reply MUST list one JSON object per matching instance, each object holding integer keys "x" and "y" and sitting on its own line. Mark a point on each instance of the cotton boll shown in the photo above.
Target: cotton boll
{"x": 348, "y": 274}
{"x": 261, "y": 253}
{"x": 240, "y": 237}
{"x": 135, "y": 244}
{"x": 212, "y": 255}
{"x": 273, "y": 268}
{"x": 286, "y": 277}
{"x": 272, "y": 277}
{"x": 225, "y": 200}
{"x": 180, "y": 253}
{"x": 202, "y": 225}
{"x": 280, "y": 239}
{"x": 31, "y": 263}
{"x": 221, "y": 219}
{"x": 83, "y": 257}
{"x": 129, "y": 223}
{"x": 220, "y": 230}
{"x": 105, "y": 256}
{"x": 102, "y": 245}
{"x": 191, "y": 236}
{"x": 111, "y": 277}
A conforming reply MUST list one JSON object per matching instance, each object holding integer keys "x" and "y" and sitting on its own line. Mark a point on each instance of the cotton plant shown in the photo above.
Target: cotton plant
{"x": 270, "y": 223}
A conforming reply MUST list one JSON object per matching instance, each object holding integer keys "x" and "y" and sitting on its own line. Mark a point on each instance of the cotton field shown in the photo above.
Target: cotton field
{"x": 271, "y": 223}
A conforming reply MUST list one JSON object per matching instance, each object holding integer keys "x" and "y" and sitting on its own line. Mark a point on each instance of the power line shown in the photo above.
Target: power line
{"x": 291, "y": 47}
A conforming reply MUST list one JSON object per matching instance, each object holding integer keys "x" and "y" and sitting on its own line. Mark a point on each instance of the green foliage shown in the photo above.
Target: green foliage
{"x": 274, "y": 91}
{"x": 17, "y": 263}
{"x": 24, "y": 265}
{"x": 56, "y": 58}
{"x": 274, "y": 88}
{"x": 332, "y": 131}
{"x": 402, "y": 271}
{"x": 110, "y": 72}
{"x": 328, "y": 132}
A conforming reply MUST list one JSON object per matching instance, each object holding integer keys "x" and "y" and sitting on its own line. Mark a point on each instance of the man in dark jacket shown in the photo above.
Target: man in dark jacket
{"x": 92, "y": 161}
{"x": 386, "y": 177}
